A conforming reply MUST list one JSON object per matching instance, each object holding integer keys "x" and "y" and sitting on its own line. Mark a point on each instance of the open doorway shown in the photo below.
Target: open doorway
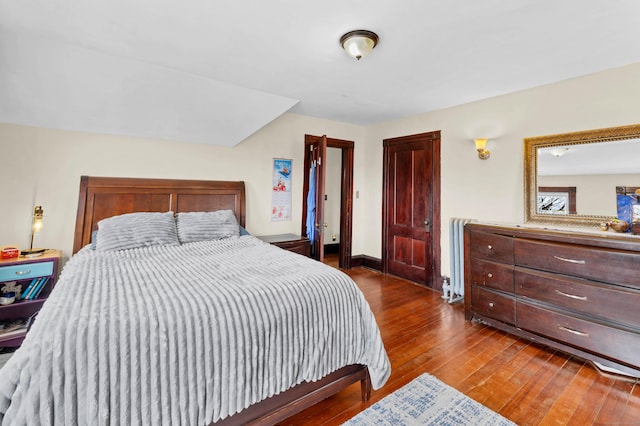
{"x": 332, "y": 201}
{"x": 313, "y": 196}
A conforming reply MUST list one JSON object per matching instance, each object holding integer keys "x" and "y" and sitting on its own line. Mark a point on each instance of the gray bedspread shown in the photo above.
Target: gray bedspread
{"x": 185, "y": 335}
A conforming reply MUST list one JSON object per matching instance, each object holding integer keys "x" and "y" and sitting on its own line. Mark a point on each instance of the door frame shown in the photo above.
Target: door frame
{"x": 435, "y": 251}
{"x": 346, "y": 194}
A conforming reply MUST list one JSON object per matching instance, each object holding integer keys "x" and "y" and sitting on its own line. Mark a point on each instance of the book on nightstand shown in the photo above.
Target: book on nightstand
{"x": 14, "y": 328}
{"x": 37, "y": 289}
{"x": 25, "y": 292}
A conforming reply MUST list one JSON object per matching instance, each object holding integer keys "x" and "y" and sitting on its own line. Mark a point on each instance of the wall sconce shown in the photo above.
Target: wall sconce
{"x": 359, "y": 43}
{"x": 36, "y": 226}
{"x": 481, "y": 145}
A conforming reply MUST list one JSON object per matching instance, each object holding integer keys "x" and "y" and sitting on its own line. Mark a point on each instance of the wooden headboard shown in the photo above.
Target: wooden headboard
{"x": 102, "y": 197}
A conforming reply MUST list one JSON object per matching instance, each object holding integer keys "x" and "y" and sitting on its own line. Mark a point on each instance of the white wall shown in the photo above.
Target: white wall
{"x": 43, "y": 166}
{"x": 333, "y": 189}
{"x": 492, "y": 190}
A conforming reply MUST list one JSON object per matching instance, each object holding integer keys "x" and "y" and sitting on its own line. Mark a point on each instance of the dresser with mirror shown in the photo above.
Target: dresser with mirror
{"x": 559, "y": 279}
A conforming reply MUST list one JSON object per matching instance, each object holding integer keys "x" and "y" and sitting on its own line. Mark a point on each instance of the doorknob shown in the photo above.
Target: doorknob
{"x": 427, "y": 225}
{"x": 326, "y": 225}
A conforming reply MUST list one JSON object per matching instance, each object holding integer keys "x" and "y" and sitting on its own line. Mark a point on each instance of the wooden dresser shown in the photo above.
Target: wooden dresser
{"x": 578, "y": 292}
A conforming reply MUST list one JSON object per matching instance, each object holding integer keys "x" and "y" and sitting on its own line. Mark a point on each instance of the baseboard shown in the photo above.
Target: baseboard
{"x": 367, "y": 262}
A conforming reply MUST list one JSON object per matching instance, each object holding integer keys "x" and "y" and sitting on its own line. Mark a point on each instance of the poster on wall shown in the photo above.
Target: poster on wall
{"x": 281, "y": 190}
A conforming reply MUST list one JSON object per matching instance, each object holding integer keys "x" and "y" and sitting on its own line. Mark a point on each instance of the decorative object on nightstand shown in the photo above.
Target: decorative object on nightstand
{"x": 9, "y": 252}
{"x": 30, "y": 280}
{"x": 36, "y": 226}
{"x": 7, "y": 298}
{"x": 291, "y": 242}
{"x": 10, "y": 292}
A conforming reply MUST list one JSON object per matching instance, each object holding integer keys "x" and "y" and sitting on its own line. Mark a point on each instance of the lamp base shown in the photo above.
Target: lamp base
{"x": 34, "y": 252}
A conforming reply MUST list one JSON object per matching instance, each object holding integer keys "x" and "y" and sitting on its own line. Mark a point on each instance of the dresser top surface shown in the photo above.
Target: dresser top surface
{"x": 586, "y": 236}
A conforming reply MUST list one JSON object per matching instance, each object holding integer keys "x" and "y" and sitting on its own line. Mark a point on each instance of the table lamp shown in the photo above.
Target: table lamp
{"x": 36, "y": 226}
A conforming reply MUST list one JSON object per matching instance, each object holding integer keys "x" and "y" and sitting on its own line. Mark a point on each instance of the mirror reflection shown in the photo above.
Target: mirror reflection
{"x": 588, "y": 172}
{"x": 571, "y": 178}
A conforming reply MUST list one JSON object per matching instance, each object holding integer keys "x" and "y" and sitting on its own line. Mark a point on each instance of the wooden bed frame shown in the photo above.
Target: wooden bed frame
{"x": 102, "y": 197}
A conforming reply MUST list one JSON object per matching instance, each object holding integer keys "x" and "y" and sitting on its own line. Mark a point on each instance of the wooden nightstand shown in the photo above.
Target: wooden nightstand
{"x": 291, "y": 242}
{"x": 23, "y": 271}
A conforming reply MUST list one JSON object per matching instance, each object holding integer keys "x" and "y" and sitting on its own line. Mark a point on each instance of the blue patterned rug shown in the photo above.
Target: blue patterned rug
{"x": 428, "y": 401}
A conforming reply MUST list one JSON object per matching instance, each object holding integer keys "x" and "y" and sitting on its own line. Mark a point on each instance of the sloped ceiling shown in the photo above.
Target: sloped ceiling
{"x": 215, "y": 72}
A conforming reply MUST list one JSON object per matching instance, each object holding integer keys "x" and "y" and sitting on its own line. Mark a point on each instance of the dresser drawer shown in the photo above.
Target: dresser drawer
{"x": 290, "y": 242}
{"x": 493, "y": 305}
{"x": 25, "y": 271}
{"x": 611, "y": 342}
{"x": 491, "y": 274}
{"x": 616, "y": 267}
{"x": 610, "y": 303}
{"x": 492, "y": 247}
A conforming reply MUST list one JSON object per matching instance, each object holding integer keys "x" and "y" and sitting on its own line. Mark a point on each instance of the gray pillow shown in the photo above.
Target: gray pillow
{"x": 203, "y": 226}
{"x": 94, "y": 239}
{"x": 137, "y": 230}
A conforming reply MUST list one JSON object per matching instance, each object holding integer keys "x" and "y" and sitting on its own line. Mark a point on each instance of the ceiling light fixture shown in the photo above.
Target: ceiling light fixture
{"x": 359, "y": 43}
{"x": 558, "y": 152}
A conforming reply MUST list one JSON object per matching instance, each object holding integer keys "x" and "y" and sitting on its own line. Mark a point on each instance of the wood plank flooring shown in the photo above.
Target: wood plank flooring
{"x": 525, "y": 382}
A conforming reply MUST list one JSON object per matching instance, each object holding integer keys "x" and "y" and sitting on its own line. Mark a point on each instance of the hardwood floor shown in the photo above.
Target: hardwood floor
{"x": 526, "y": 383}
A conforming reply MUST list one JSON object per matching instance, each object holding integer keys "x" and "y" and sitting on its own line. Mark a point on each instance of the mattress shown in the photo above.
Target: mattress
{"x": 186, "y": 334}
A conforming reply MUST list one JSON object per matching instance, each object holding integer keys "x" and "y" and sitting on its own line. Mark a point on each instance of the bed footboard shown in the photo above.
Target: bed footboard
{"x": 304, "y": 395}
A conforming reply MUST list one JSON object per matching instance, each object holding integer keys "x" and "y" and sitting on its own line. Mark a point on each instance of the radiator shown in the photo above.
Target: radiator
{"x": 454, "y": 290}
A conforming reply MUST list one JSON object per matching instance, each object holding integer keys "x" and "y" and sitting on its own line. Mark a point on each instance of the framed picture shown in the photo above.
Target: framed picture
{"x": 281, "y": 190}
{"x": 557, "y": 200}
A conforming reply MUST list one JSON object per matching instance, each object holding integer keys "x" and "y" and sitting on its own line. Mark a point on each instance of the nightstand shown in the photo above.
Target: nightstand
{"x": 291, "y": 242}
{"x": 24, "y": 271}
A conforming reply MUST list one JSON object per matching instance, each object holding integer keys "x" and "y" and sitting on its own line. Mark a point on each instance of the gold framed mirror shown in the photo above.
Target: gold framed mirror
{"x": 592, "y": 161}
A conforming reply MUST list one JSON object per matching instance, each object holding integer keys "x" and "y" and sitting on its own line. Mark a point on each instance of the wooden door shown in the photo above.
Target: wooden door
{"x": 411, "y": 208}
{"x": 315, "y": 153}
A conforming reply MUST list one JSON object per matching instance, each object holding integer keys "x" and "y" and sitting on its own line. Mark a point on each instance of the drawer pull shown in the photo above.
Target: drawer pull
{"x": 576, "y": 332}
{"x": 571, "y": 296}
{"x": 25, "y": 272}
{"x": 489, "y": 275}
{"x": 490, "y": 247}
{"x": 491, "y": 305}
{"x": 580, "y": 262}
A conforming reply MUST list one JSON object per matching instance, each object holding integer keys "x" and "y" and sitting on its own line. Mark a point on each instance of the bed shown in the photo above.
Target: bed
{"x": 225, "y": 331}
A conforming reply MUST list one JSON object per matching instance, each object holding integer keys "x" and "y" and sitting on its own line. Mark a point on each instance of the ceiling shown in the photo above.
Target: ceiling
{"x": 216, "y": 72}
